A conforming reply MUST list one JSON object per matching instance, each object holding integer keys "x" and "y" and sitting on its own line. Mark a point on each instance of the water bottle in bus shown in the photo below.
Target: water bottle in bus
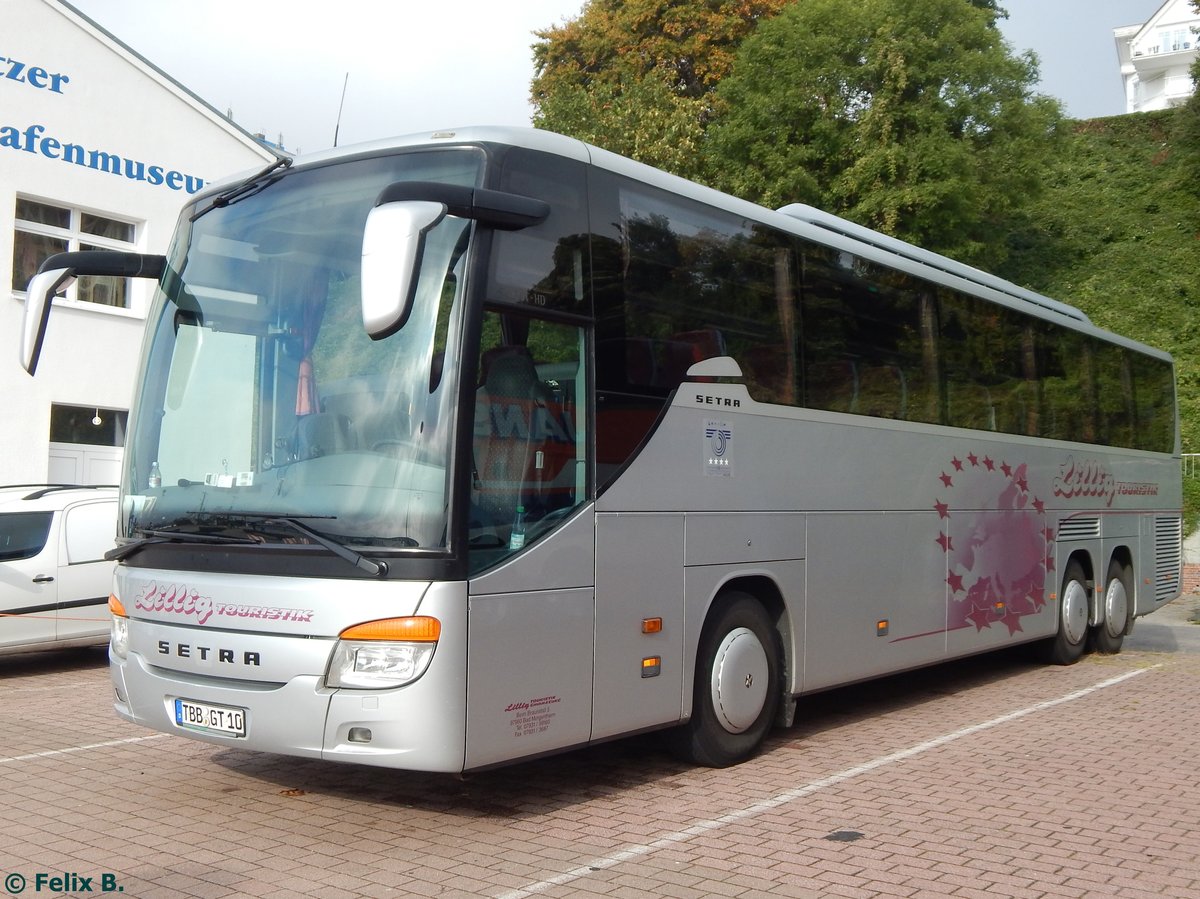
{"x": 155, "y": 476}
{"x": 516, "y": 538}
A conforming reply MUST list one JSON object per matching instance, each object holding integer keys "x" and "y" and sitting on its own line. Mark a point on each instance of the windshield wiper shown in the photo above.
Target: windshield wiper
{"x": 358, "y": 560}
{"x": 339, "y": 549}
{"x": 251, "y": 185}
{"x": 152, "y": 536}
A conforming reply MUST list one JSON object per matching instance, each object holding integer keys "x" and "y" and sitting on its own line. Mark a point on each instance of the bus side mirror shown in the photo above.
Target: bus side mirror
{"x": 394, "y": 240}
{"x": 393, "y": 245}
{"x": 57, "y": 273}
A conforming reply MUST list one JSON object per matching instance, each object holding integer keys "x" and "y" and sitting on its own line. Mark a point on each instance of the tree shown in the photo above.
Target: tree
{"x": 637, "y": 76}
{"x": 910, "y": 116}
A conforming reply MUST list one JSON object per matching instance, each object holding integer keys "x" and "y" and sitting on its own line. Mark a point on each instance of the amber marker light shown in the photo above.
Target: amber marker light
{"x": 118, "y": 638}
{"x": 651, "y": 625}
{"x": 417, "y": 629}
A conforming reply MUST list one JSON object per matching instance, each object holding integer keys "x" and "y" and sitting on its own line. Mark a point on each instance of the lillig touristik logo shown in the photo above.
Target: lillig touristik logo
{"x": 175, "y": 599}
{"x": 1089, "y": 478}
{"x": 179, "y": 599}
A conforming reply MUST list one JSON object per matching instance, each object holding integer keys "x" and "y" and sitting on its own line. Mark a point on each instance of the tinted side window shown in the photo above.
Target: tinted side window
{"x": 544, "y": 266}
{"x": 982, "y": 346}
{"x": 1154, "y": 389}
{"x": 678, "y": 282}
{"x": 870, "y": 340}
{"x": 23, "y": 534}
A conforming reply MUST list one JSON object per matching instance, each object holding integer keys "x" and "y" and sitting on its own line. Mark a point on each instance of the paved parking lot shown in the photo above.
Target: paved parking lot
{"x": 991, "y": 777}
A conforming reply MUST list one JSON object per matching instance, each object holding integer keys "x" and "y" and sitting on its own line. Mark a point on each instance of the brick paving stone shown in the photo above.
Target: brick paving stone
{"x": 1031, "y": 808}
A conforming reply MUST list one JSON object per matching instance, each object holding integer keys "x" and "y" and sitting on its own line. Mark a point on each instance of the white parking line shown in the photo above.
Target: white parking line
{"x": 680, "y": 836}
{"x": 51, "y": 753}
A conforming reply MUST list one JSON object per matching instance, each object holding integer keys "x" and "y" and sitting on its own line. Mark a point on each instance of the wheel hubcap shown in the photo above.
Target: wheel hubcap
{"x": 739, "y": 680}
{"x": 1075, "y": 612}
{"x": 1116, "y": 608}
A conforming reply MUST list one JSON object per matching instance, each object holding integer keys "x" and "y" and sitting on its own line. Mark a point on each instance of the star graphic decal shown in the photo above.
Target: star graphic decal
{"x": 957, "y": 463}
{"x": 946, "y": 542}
{"x": 946, "y": 479}
{"x": 1007, "y": 469}
{"x": 943, "y": 509}
{"x": 1012, "y": 620}
{"x": 989, "y": 464}
{"x": 1040, "y": 507}
{"x": 973, "y": 459}
{"x": 981, "y": 618}
{"x": 956, "y": 582}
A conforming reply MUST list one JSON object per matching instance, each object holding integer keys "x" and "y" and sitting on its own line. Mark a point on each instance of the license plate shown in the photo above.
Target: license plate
{"x": 212, "y": 719}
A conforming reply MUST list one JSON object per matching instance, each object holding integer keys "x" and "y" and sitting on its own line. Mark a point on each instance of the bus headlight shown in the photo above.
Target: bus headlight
{"x": 119, "y": 637}
{"x": 382, "y": 654}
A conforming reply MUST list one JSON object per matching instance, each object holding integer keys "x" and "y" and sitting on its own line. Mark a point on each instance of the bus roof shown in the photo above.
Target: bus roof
{"x": 797, "y": 218}
{"x": 841, "y": 226}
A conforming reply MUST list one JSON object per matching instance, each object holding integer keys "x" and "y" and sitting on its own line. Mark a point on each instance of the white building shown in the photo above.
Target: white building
{"x": 98, "y": 149}
{"x": 1156, "y": 57}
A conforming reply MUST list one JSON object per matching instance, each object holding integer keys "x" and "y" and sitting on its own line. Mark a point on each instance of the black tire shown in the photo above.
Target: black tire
{"x": 1108, "y": 636}
{"x": 732, "y": 710}
{"x": 1066, "y": 646}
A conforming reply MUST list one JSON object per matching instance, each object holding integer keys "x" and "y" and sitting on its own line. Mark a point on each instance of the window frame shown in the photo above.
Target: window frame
{"x": 77, "y": 239}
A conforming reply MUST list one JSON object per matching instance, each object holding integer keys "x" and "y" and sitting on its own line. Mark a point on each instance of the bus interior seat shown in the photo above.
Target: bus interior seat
{"x": 324, "y": 433}
{"x": 970, "y": 406}
{"x": 832, "y": 386}
{"x": 506, "y": 449}
{"x": 882, "y": 392}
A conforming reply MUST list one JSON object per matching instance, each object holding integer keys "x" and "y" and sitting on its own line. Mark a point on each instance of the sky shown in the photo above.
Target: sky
{"x": 409, "y": 66}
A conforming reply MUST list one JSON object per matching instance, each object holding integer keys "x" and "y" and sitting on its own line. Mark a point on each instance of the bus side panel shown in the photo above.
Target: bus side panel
{"x": 876, "y": 595}
{"x": 639, "y": 576}
{"x": 529, "y": 675}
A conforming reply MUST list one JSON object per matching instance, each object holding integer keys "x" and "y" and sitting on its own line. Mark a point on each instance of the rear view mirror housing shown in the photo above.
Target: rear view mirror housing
{"x": 57, "y": 273}
{"x": 394, "y": 240}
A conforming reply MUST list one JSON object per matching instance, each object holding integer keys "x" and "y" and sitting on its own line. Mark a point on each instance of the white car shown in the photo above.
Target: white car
{"x": 54, "y": 580}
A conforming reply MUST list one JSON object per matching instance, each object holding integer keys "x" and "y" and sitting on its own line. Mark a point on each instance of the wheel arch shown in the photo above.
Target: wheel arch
{"x": 766, "y": 590}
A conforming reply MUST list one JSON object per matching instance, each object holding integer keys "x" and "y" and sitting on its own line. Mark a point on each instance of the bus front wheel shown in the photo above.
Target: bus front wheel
{"x": 736, "y": 690}
{"x": 1066, "y": 647}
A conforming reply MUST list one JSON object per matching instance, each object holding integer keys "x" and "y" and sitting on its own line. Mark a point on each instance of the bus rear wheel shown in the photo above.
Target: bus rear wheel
{"x": 1066, "y": 647}
{"x": 736, "y": 690}
{"x": 1108, "y": 637}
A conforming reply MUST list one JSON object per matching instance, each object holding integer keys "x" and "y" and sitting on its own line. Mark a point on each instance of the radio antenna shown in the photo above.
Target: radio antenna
{"x": 338, "y": 125}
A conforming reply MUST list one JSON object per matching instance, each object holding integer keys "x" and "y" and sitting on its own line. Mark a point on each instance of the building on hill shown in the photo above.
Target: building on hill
{"x": 99, "y": 149}
{"x": 1156, "y": 57}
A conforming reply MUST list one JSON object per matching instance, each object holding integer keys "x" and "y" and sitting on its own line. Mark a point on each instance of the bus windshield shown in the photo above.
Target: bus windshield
{"x": 265, "y": 404}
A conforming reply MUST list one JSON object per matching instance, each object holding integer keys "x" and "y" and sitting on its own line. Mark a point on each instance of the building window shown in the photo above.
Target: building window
{"x": 88, "y": 425}
{"x": 43, "y": 229}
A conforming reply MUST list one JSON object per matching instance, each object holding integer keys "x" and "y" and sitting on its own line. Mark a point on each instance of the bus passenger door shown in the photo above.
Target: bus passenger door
{"x": 639, "y": 622}
{"x": 531, "y": 544}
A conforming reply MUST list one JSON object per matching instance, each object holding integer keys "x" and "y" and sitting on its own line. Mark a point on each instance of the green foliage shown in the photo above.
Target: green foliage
{"x": 1117, "y": 234}
{"x": 1187, "y": 129}
{"x": 909, "y": 116}
{"x": 637, "y": 76}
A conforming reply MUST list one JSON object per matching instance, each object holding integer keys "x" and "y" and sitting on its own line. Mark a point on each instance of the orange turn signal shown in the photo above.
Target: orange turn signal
{"x": 651, "y": 625}
{"x": 114, "y": 606}
{"x": 417, "y": 629}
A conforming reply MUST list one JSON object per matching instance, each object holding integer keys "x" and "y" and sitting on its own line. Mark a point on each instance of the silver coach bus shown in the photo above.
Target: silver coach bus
{"x": 474, "y": 446}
